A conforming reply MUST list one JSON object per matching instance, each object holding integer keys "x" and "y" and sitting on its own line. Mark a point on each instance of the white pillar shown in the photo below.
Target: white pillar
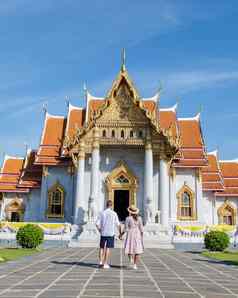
{"x": 164, "y": 192}
{"x": 172, "y": 194}
{"x": 79, "y": 206}
{"x": 94, "y": 187}
{"x": 148, "y": 184}
{"x": 199, "y": 196}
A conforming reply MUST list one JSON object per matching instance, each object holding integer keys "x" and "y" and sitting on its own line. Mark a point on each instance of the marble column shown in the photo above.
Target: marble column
{"x": 172, "y": 195}
{"x": 148, "y": 184}
{"x": 79, "y": 206}
{"x": 164, "y": 192}
{"x": 94, "y": 187}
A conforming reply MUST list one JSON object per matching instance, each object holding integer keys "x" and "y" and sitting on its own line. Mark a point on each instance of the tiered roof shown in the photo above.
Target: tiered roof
{"x": 212, "y": 178}
{"x": 229, "y": 170}
{"x": 31, "y": 173}
{"x": 21, "y": 175}
{"x": 10, "y": 174}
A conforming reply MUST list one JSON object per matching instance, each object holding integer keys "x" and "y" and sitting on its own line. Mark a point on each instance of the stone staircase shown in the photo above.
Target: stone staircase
{"x": 155, "y": 236}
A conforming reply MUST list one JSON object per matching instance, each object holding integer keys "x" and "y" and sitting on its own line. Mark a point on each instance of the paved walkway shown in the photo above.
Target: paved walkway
{"x": 74, "y": 273}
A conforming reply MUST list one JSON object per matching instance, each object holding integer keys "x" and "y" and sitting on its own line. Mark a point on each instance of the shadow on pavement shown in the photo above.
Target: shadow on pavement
{"x": 84, "y": 264}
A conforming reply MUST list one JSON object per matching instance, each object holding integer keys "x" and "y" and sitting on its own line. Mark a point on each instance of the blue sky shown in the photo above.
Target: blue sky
{"x": 49, "y": 48}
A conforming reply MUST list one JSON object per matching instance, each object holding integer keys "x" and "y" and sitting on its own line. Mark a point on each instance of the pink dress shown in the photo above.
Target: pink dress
{"x": 134, "y": 240}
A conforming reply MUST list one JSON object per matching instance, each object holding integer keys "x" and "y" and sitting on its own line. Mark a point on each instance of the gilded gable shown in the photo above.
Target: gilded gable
{"x": 123, "y": 107}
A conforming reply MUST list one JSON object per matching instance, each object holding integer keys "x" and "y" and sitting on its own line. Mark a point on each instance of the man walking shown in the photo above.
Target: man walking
{"x": 107, "y": 223}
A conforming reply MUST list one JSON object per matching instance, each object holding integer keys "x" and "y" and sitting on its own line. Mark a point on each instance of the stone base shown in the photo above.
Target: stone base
{"x": 89, "y": 237}
{"x": 157, "y": 236}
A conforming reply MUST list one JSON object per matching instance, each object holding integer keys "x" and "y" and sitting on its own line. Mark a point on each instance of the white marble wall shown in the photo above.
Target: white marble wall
{"x": 208, "y": 208}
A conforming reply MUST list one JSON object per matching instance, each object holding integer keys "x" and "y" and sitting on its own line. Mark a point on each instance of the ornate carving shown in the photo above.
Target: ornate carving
{"x": 227, "y": 213}
{"x": 122, "y": 109}
{"x": 190, "y": 203}
{"x": 130, "y": 182}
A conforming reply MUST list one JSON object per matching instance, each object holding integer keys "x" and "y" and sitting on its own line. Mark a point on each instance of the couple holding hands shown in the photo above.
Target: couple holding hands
{"x": 108, "y": 222}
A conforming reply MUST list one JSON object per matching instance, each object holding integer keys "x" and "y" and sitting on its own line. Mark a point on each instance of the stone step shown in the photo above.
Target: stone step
{"x": 120, "y": 244}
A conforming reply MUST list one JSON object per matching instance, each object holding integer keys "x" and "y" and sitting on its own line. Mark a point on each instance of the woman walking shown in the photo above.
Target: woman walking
{"x": 134, "y": 236}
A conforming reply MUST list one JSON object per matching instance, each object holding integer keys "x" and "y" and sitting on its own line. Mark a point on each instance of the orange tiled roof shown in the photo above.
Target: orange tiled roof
{"x": 10, "y": 174}
{"x": 49, "y": 152}
{"x": 192, "y": 146}
{"x": 31, "y": 174}
{"x": 94, "y": 105}
{"x": 229, "y": 170}
{"x": 76, "y": 117}
{"x": 211, "y": 175}
{"x": 149, "y": 105}
{"x": 168, "y": 118}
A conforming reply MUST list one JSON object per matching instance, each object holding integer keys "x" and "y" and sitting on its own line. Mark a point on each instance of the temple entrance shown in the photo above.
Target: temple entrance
{"x": 15, "y": 216}
{"x": 121, "y": 203}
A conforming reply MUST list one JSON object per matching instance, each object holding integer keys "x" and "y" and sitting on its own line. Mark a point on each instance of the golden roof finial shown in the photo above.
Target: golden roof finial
{"x": 123, "y": 60}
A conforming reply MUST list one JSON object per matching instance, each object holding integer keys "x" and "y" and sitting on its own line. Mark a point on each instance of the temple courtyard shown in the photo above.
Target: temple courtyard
{"x": 74, "y": 273}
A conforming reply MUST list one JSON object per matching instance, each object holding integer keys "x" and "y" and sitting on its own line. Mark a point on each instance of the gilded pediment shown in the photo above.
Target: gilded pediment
{"x": 123, "y": 106}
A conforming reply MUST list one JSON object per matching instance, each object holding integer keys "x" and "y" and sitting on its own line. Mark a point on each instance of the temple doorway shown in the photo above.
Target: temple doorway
{"x": 121, "y": 203}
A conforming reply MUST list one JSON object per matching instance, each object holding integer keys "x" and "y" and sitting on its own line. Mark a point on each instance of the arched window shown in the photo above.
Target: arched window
{"x": 227, "y": 214}
{"x": 131, "y": 134}
{"x": 186, "y": 204}
{"x": 122, "y": 134}
{"x": 113, "y": 133}
{"x": 56, "y": 201}
{"x": 104, "y": 133}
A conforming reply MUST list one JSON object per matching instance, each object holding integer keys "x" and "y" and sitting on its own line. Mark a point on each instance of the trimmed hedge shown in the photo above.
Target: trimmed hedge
{"x": 216, "y": 241}
{"x": 30, "y": 236}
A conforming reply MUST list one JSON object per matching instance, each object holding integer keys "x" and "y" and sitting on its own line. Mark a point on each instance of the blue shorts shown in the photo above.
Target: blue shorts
{"x": 107, "y": 241}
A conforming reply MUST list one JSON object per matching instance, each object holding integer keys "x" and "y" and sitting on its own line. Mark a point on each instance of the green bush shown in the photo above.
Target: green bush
{"x": 30, "y": 236}
{"x": 216, "y": 241}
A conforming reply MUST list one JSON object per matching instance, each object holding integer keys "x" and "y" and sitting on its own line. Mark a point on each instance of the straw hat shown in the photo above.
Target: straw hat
{"x": 133, "y": 209}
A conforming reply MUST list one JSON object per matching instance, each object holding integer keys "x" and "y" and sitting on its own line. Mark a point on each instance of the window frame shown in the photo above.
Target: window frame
{"x": 51, "y": 191}
{"x": 192, "y": 204}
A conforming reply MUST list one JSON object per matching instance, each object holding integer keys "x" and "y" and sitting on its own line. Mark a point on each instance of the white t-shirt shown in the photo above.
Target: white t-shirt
{"x": 108, "y": 222}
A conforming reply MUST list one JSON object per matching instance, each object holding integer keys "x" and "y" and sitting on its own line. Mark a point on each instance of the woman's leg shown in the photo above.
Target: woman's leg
{"x": 130, "y": 257}
{"x": 136, "y": 259}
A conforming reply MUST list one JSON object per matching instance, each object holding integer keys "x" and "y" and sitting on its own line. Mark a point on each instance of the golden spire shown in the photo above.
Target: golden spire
{"x": 123, "y": 60}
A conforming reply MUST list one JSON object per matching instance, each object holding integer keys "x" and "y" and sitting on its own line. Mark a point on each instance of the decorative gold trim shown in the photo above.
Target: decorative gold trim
{"x": 45, "y": 171}
{"x": 55, "y": 187}
{"x": 172, "y": 172}
{"x": 112, "y": 184}
{"x": 15, "y": 205}
{"x": 222, "y": 210}
{"x": 191, "y": 194}
{"x": 199, "y": 175}
{"x": 171, "y": 143}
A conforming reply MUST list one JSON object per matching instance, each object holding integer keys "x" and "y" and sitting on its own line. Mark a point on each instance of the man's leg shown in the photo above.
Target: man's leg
{"x": 107, "y": 255}
{"x": 101, "y": 256}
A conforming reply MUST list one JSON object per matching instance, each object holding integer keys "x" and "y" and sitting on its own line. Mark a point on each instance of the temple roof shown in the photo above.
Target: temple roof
{"x": 49, "y": 151}
{"x": 229, "y": 170}
{"x": 212, "y": 179}
{"x": 192, "y": 145}
{"x": 10, "y": 174}
{"x": 31, "y": 173}
{"x": 22, "y": 174}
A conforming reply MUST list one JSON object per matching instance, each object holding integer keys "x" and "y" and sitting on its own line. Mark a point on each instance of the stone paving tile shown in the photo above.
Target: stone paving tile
{"x": 74, "y": 273}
